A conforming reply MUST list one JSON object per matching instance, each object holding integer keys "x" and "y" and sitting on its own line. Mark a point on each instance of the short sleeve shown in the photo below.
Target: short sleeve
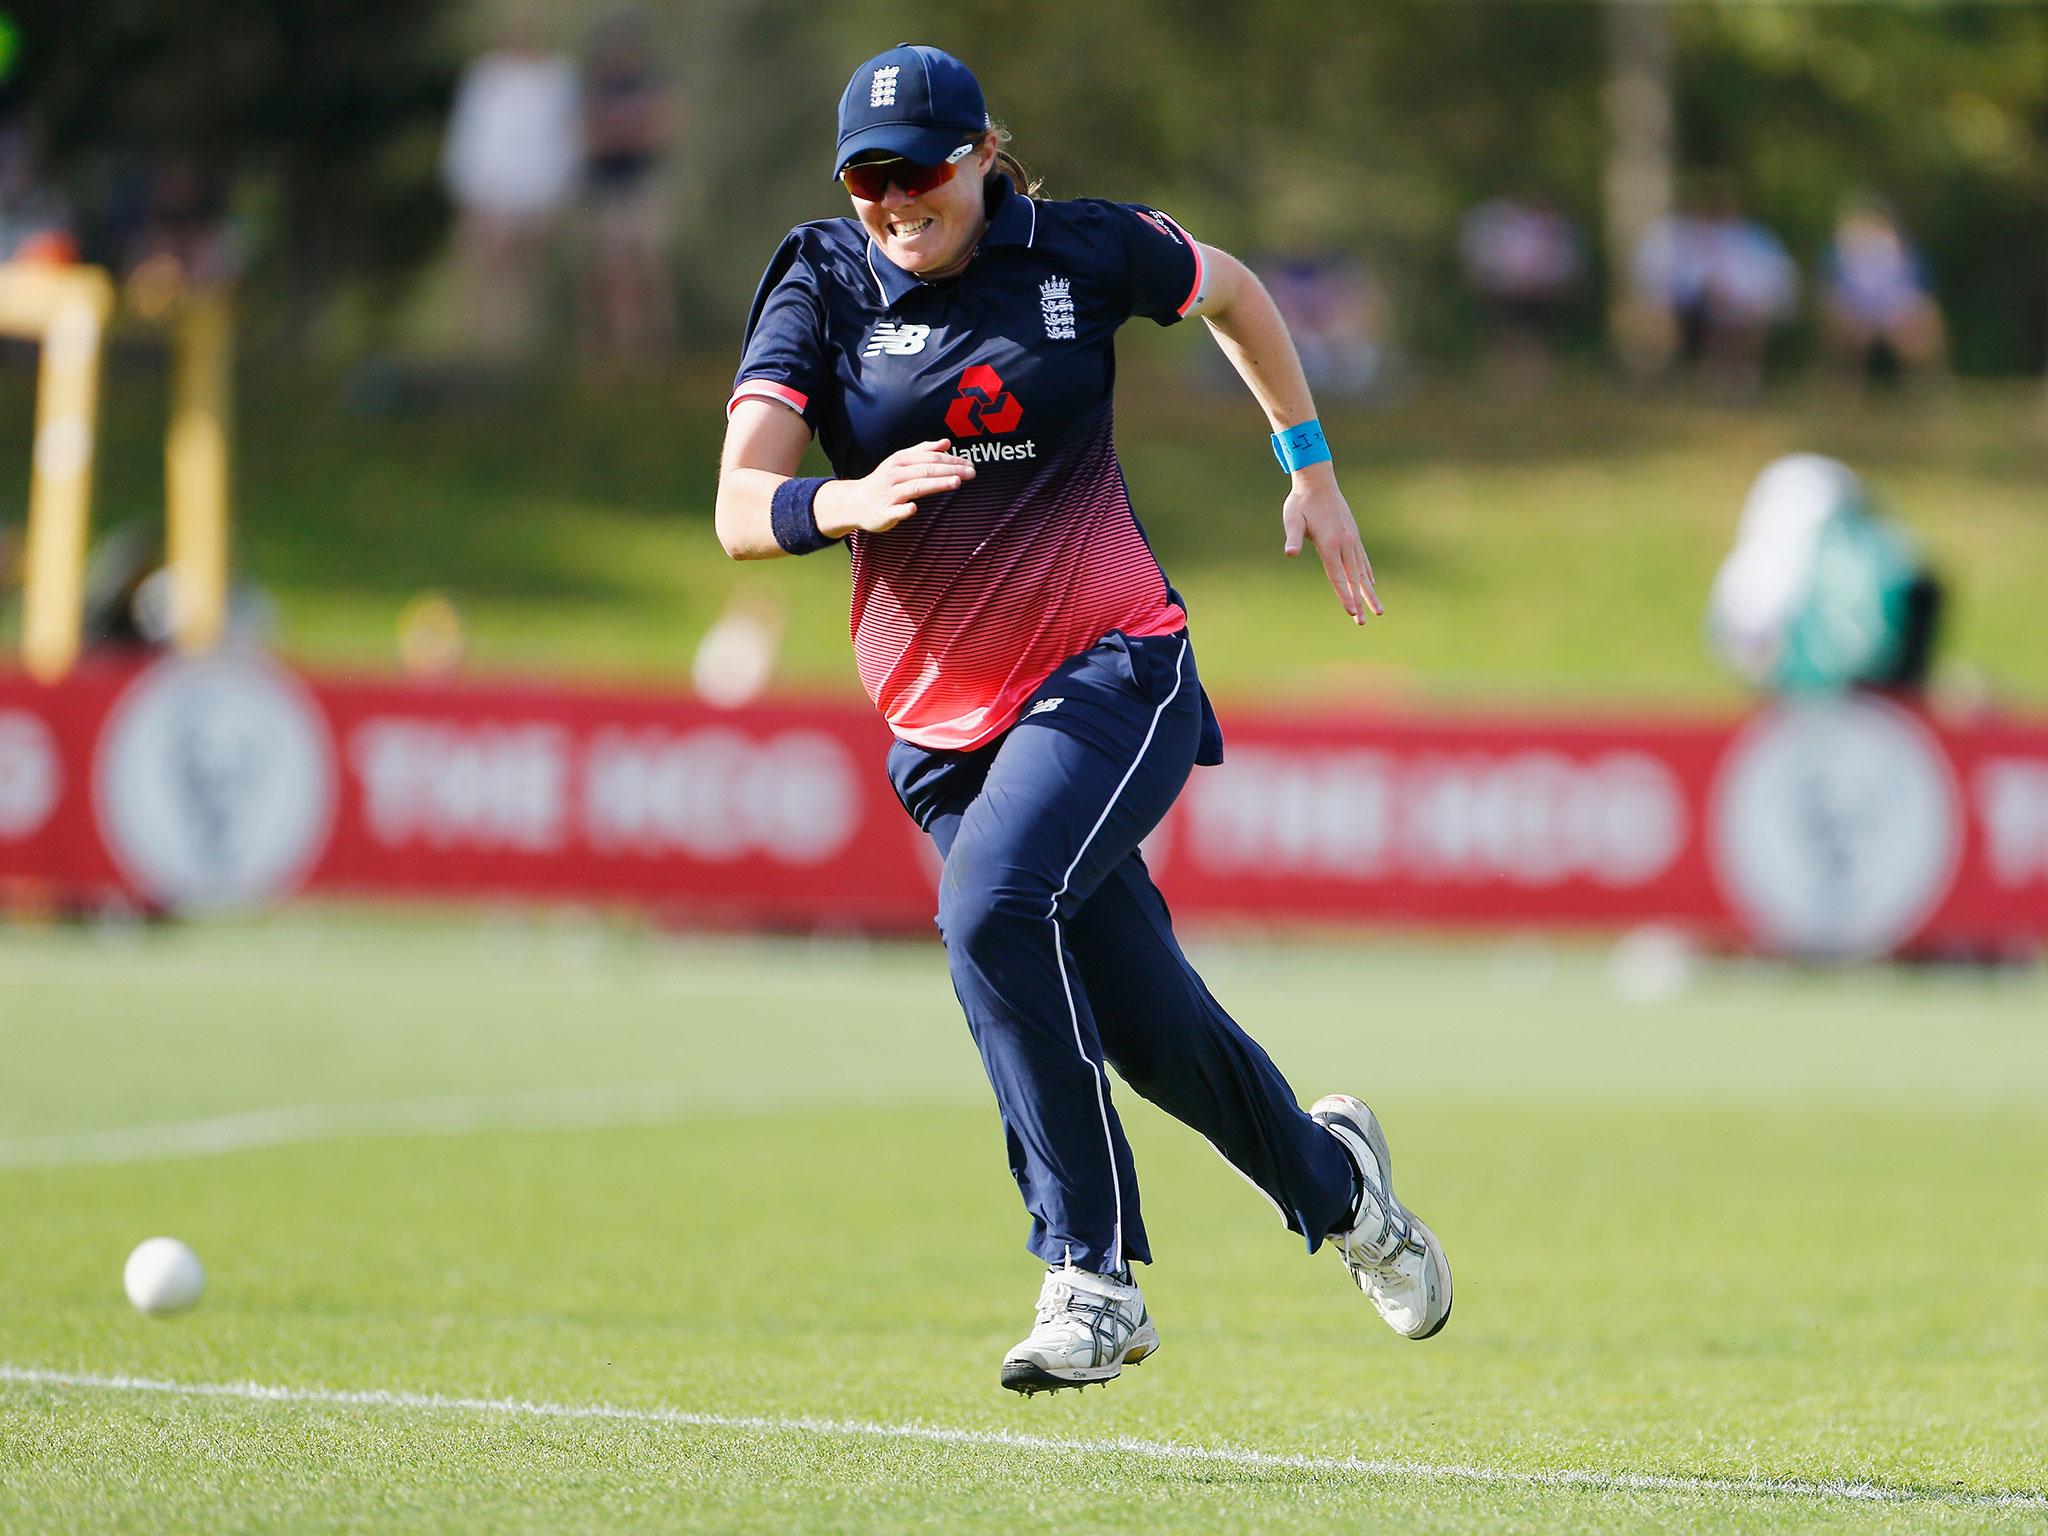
{"x": 783, "y": 357}
{"x": 1166, "y": 268}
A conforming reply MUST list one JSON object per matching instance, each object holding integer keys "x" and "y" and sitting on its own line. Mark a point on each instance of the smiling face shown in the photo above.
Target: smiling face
{"x": 932, "y": 234}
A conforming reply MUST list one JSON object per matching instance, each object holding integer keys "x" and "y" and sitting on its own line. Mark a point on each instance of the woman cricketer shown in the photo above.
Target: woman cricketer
{"x": 952, "y": 346}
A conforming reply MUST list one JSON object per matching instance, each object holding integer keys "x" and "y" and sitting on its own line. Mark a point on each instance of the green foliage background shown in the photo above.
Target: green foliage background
{"x": 1266, "y": 125}
{"x": 1272, "y": 125}
{"x": 322, "y": 117}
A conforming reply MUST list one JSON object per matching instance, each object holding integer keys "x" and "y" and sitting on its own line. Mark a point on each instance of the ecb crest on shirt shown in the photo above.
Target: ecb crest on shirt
{"x": 1056, "y": 303}
{"x": 896, "y": 340}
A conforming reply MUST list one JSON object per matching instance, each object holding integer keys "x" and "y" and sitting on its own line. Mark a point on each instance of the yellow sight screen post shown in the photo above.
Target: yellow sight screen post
{"x": 67, "y": 309}
{"x": 196, "y": 472}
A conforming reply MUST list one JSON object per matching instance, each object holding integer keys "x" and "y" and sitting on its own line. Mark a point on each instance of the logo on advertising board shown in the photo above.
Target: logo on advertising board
{"x": 30, "y": 774}
{"x": 1836, "y": 826}
{"x": 722, "y": 795}
{"x": 214, "y": 782}
{"x": 1524, "y": 818}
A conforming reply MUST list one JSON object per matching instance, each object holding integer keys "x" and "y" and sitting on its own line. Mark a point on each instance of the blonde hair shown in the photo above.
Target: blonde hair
{"x": 1007, "y": 165}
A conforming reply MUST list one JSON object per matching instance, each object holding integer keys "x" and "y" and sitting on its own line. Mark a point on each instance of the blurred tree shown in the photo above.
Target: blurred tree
{"x": 1271, "y": 125}
{"x": 1268, "y": 126}
{"x": 1637, "y": 180}
{"x": 329, "y": 111}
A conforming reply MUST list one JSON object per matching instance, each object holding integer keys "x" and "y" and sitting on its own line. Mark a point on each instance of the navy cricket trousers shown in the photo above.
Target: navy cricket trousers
{"x": 1063, "y": 955}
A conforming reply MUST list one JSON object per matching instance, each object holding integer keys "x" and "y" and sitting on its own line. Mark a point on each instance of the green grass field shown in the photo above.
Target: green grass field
{"x": 730, "y": 1220}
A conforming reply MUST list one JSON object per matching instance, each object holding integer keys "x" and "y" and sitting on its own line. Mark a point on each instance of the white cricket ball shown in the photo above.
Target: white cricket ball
{"x": 163, "y": 1276}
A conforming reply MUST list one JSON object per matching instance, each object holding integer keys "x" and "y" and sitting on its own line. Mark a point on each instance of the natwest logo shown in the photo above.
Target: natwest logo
{"x": 983, "y": 405}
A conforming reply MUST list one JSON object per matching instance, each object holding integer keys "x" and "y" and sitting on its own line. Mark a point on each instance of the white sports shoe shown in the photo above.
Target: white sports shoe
{"x": 1089, "y": 1328}
{"x": 1392, "y": 1256}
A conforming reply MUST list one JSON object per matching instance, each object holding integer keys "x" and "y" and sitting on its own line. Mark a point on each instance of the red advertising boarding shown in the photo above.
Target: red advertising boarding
{"x": 230, "y": 781}
{"x": 1842, "y": 827}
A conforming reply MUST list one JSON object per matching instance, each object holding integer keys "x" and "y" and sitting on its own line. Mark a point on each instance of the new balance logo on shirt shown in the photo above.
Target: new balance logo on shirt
{"x": 896, "y": 340}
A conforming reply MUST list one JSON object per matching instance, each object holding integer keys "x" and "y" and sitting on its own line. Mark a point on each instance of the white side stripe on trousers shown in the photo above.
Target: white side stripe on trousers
{"x": 1059, "y": 955}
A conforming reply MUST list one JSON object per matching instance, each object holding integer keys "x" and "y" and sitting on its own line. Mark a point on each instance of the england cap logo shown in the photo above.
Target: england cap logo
{"x": 914, "y": 101}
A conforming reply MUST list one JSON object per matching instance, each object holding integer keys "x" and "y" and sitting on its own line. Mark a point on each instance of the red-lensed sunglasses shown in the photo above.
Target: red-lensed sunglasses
{"x": 869, "y": 180}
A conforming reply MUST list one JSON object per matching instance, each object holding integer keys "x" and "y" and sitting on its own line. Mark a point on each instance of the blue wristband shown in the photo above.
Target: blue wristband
{"x": 1299, "y": 447}
{"x": 790, "y": 514}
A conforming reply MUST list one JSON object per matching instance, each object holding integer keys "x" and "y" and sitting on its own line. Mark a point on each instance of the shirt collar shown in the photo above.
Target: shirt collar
{"x": 1012, "y": 220}
{"x": 1012, "y": 217}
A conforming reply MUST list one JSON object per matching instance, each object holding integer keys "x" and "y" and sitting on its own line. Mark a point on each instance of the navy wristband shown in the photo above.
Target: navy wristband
{"x": 1300, "y": 446}
{"x": 790, "y": 515}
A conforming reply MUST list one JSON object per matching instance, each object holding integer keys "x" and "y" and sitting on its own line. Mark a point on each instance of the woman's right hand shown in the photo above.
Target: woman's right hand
{"x": 879, "y": 501}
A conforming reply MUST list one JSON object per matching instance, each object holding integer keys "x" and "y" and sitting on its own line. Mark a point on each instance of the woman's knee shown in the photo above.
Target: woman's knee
{"x": 978, "y": 918}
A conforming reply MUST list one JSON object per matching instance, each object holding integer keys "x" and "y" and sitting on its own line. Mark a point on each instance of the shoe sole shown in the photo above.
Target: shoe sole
{"x": 1356, "y": 1110}
{"x": 1031, "y": 1378}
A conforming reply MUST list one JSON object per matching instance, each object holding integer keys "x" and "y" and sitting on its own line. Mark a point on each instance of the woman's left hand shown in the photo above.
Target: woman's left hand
{"x": 1316, "y": 509}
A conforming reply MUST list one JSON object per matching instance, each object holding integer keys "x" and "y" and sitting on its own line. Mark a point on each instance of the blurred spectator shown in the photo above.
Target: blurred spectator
{"x": 1717, "y": 284}
{"x": 1336, "y": 311}
{"x": 1820, "y": 594}
{"x": 628, "y": 122}
{"x": 430, "y": 638}
{"x": 175, "y": 234}
{"x": 35, "y": 221}
{"x": 511, "y": 164}
{"x": 1522, "y": 258}
{"x": 116, "y": 571}
{"x": 1877, "y": 307}
{"x": 130, "y": 601}
{"x": 735, "y": 661}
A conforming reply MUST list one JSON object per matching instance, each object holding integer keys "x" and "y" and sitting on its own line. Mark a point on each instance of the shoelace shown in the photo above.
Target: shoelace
{"x": 1052, "y": 1301}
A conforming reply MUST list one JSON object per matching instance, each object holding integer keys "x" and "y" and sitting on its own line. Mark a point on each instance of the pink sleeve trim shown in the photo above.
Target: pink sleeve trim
{"x": 768, "y": 389}
{"x": 1201, "y": 269}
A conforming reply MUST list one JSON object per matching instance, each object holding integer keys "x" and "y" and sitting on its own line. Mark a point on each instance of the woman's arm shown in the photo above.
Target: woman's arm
{"x": 764, "y": 445}
{"x": 1246, "y": 324}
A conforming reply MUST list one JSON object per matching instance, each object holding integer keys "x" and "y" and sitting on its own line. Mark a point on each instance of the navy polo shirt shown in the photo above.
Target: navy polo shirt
{"x": 961, "y": 611}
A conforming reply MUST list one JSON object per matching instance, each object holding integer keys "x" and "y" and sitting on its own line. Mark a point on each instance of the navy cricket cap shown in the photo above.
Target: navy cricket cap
{"x": 913, "y": 101}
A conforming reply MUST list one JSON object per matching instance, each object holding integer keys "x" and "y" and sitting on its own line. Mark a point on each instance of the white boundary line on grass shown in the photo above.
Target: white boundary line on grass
{"x": 663, "y": 974}
{"x": 285, "y": 1124}
{"x": 444, "y": 1115}
{"x": 999, "y": 1439}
